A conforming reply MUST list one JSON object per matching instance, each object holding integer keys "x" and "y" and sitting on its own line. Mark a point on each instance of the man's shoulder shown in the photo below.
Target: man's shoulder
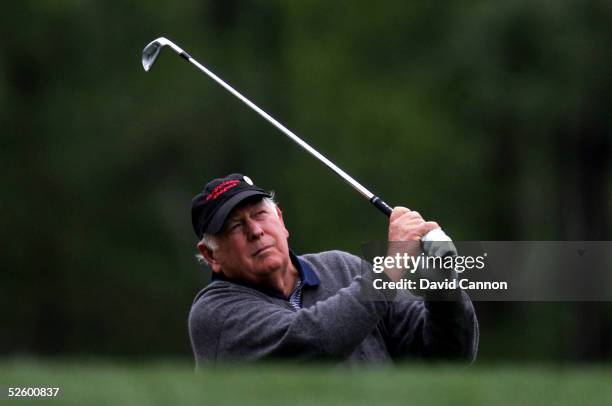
{"x": 217, "y": 296}
{"x": 335, "y": 260}
{"x": 332, "y": 256}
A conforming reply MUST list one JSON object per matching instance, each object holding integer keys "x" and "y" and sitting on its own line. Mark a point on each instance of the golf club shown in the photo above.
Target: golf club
{"x": 149, "y": 56}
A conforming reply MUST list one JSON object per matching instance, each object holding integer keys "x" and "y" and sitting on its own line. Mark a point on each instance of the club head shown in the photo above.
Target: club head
{"x": 152, "y": 50}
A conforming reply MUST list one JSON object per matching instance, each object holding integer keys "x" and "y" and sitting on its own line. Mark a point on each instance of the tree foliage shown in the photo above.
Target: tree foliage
{"x": 490, "y": 117}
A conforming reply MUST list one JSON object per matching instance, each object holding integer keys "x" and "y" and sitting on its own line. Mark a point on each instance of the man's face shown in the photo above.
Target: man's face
{"x": 252, "y": 245}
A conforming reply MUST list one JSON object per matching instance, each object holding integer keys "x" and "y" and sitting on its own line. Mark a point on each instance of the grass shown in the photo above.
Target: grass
{"x": 174, "y": 383}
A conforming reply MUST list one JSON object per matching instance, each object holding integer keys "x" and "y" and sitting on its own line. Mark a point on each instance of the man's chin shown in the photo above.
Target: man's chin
{"x": 269, "y": 264}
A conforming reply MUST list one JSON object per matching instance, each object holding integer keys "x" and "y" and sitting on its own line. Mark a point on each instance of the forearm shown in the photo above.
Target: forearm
{"x": 443, "y": 324}
{"x": 450, "y": 329}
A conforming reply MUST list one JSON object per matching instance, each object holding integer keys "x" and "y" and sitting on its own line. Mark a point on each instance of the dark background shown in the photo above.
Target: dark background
{"x": 492, "y": 118}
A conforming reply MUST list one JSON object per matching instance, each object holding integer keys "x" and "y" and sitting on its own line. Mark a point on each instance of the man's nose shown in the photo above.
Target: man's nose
{"x": 253, "y": 229}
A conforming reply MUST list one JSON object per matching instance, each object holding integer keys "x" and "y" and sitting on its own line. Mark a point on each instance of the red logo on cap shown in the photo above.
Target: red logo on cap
{"x": 222, "y": 188}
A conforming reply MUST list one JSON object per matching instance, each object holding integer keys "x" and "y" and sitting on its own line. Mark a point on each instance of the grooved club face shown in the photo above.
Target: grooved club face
{"x": 149, "y": 54}
{"x": 151, "y": 51}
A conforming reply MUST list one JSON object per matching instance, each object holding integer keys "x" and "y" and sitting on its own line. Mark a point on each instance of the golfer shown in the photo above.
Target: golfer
{"x": 267, "y": 302}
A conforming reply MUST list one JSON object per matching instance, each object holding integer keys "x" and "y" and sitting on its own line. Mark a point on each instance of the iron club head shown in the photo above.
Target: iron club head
{"x": 153, "y": 48}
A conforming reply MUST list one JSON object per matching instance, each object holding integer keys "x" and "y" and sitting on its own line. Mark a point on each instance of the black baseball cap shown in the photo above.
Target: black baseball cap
{"x": 210, "y": 209}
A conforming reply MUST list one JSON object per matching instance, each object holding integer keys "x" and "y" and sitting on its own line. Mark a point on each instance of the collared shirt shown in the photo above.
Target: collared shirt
{"x": 295, "y": 299}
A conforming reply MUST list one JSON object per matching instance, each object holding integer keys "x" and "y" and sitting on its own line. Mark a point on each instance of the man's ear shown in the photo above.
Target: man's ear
{"x": 280, "y": 216}
{"x": 209, "y": 256}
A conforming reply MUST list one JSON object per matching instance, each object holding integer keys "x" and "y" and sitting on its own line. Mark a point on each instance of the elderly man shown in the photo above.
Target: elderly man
{"x": 266, "y": 302}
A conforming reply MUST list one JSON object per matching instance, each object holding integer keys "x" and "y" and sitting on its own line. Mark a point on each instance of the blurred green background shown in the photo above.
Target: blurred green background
{"x": 492, "y": 118}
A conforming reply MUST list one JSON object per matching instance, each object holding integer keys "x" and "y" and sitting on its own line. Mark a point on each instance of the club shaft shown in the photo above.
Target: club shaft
{"x": 359, "y": 187}
{"x": 150, "y": 53}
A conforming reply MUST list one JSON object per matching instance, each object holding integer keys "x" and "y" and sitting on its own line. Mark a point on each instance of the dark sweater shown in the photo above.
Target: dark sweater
{"x": 343, "y": 318}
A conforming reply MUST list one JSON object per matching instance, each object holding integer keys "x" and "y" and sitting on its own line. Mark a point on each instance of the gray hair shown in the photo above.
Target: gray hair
{"x": 210, "y": 240}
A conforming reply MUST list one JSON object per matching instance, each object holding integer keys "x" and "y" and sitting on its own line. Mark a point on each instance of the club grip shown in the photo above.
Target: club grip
{"x": 381, "y": 205}
{"x": 434, "y": 235}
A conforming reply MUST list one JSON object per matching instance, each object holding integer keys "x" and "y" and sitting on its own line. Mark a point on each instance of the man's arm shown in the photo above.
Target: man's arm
{"x": 445, "y": 330}
{"x": 444, "y": 325}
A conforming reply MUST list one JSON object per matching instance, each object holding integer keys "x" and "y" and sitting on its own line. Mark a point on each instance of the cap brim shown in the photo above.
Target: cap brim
{"x": 216, "y": 223}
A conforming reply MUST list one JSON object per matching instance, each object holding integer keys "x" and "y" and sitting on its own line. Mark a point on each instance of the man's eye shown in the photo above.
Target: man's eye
{"x": 261, "y": 213}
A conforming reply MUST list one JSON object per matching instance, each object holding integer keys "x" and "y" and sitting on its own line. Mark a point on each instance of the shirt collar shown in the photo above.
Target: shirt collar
{"x": 306, "y": 274}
